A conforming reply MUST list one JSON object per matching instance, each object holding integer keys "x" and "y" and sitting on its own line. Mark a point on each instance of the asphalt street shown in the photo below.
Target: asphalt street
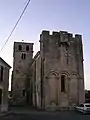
{"x": 62, "y": 115}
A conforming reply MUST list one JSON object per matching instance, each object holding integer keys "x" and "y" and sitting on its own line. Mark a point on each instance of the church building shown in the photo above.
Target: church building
{"x": 54, "y": 77}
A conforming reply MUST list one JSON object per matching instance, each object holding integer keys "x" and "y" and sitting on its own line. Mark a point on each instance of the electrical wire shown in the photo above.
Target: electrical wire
{"x": 16, "y": 24}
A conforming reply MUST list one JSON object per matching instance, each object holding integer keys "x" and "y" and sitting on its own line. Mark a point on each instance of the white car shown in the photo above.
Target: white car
{"x": 84, "y": 108}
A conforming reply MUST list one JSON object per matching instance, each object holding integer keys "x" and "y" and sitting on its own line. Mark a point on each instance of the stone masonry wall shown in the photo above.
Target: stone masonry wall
{"x": 22, "y": 58}
{"x": 62, "y": 55}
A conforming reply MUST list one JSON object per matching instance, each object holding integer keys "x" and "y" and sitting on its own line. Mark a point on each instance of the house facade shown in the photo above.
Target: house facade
{"x": 4, "y": 83}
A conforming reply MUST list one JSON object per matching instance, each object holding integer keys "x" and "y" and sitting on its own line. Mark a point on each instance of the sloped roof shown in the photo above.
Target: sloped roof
{"x": 5, "y": 63}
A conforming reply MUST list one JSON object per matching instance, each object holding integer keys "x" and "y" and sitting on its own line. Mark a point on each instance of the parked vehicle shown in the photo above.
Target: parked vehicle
{"x": 84, "y": 108}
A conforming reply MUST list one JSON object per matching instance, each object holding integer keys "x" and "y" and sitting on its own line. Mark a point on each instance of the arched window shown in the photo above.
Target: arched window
{"x": 20, "y": 47}
{"x": 23, "y": 56}
{"x": 24, "y": 93}
{"x": 62, "y": 83}
{"x": 27, "y": 48}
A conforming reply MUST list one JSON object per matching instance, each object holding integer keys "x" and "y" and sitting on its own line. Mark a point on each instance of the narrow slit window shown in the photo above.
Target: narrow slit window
{"x": 24, "y": 93}
{"x": 62, "y": 83}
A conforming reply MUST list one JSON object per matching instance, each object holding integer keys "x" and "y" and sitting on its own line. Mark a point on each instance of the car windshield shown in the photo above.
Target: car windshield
{"x": 87, "y": 105}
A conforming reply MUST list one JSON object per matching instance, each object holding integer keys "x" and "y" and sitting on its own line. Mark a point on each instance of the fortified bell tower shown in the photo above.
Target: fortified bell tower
{"x": 63, "y": 76}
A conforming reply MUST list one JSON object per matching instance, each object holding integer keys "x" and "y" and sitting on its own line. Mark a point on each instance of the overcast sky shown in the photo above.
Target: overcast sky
{"x": 69, "y": 15}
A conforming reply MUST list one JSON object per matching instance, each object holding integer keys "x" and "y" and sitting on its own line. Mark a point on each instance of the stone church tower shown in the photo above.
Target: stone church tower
{"x": 22, "y": 58}
{"x": 62, "y": 69}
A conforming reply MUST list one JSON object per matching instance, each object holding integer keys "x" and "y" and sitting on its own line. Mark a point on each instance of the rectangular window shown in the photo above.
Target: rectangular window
{"x": 0, "y": 96}
{"x": 2, "y": 73}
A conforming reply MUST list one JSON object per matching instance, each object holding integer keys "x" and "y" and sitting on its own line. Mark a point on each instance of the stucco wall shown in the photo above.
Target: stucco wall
{"x": 4, "y": 87}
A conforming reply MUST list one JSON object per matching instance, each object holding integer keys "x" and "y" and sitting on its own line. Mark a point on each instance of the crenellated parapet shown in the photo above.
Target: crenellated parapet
{"x": 60, "y": 37}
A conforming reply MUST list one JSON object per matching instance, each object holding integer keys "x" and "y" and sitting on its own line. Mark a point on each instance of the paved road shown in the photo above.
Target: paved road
{"x": 46, "y": 116}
